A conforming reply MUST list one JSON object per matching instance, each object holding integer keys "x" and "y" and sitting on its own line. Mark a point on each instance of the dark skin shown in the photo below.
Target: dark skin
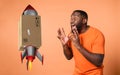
{"x": 78, "y": 25}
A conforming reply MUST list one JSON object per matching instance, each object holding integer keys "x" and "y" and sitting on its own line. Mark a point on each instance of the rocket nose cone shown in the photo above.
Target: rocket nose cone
{"x": 29, "y": 7}
{"x": 29, "y": 10}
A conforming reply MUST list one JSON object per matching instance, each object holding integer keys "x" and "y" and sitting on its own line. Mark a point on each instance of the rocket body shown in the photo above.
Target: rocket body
{"x": 30, "y": 35}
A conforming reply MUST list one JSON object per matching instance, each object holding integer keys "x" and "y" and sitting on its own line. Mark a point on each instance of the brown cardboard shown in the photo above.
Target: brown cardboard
{"x": 29, "y": 31}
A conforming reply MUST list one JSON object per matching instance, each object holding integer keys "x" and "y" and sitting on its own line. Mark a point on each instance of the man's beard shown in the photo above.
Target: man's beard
{"x": 79, "y": 28}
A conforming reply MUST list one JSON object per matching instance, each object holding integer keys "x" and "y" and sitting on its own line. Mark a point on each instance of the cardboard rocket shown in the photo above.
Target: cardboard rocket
{"x": 30, "y": 35}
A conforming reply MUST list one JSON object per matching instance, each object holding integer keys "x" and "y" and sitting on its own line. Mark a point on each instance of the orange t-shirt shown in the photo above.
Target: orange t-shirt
{"x": 93, "y": 40}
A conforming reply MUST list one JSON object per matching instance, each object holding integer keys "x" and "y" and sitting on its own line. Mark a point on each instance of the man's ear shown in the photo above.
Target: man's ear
{"x": 84, "y": 21}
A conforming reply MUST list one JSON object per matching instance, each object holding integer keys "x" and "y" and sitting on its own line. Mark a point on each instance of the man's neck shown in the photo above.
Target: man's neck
{"x": 84, "y": 28}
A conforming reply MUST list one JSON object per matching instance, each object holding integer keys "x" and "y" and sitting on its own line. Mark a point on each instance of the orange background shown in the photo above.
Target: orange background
{"x": 103, "y": 14}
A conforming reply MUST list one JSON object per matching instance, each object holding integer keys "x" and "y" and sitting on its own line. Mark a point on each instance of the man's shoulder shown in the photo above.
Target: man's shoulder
{"x": 96, "y": 31}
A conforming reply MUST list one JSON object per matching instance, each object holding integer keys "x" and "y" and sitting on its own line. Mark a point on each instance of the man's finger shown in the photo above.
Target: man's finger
{"x": 70, "y": 36}
{"x": 63, "y": 31}
{"x": 76, "y": 30}
{"x": 59, "y": 31}
{"x": 58, "y": 37}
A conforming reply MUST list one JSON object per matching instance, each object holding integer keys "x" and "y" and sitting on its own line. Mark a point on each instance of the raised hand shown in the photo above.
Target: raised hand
{"x": 74, "y": 37}
{"x": 62, "y": 36}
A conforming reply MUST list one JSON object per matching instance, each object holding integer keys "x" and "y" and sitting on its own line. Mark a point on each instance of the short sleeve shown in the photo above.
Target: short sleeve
{"x": 98, "y": 44}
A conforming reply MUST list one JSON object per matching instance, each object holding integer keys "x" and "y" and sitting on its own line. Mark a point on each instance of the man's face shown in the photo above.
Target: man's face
{"x": 76, "y": 20}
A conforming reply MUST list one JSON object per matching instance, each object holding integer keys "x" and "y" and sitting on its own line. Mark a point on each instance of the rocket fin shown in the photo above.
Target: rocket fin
{"x": 23, "y": 54}
{"x": 39, "y": 56}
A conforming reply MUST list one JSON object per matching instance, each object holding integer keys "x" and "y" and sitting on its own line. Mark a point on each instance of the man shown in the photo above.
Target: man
{"x": 85, "y": 44}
